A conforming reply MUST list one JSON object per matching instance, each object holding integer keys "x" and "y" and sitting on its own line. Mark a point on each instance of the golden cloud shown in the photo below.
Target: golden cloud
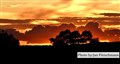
{"x": 36, "y": 9}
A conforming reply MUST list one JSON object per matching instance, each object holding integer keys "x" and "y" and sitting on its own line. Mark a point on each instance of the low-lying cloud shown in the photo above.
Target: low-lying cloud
{"x": 41, "y": 34}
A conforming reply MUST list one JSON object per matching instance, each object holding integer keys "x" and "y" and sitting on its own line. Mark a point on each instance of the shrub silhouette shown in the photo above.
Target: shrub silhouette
{"x": 70, "y": 38}
{"x": 7, "y": 40}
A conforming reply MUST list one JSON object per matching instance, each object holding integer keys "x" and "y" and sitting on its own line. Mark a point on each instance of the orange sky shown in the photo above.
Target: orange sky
{"x": 35, "y": 9}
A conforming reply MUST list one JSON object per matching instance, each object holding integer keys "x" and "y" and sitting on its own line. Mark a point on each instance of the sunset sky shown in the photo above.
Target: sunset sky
{"x": 20, "y": 10}
{"x": 36, "y": 9}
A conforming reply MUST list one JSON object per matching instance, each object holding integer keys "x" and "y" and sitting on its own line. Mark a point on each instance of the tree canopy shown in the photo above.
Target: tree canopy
{"x": 69, "y": 38}
{"x": 8, "y": 40}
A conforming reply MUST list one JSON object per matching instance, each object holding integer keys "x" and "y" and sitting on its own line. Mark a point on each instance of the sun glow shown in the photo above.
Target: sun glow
{"x": 3, "y": 24}
{"x": 43, "y": 44}
{"x": 111, "y": 26}
{"x": 23, "y": 30}
{"x": 24, "y": 43}
{"x": 44, "y": 22}
{"x": 104, "y": 41}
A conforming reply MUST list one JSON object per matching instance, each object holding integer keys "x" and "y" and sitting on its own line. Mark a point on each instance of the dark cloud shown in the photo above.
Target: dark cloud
{"x": 41, "y": 34}
{"x": 94, "y": 28}
{"x": 14, "y": 21}
{"x": 111, "y": 35}
{"x": 16, "y": 24}
{"x": 15, "y": 33}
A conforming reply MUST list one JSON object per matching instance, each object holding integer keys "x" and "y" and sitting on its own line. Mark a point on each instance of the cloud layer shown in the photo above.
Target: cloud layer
{"x": 49, "y": 9}
{"x": 41, "y": 34}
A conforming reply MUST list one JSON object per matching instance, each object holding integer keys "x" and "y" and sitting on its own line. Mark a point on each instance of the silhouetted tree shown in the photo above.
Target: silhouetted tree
{"x": 87, "y": 35}
{"x": 75, "y": 34}
{"x": 52, "y": 40}
{"x": 72, "y": 37}
{"x": 61, "y": 39}
{"x": 66, "y": 37}
{"x": 7, "y": 40}
{"x": 58, "y": 43}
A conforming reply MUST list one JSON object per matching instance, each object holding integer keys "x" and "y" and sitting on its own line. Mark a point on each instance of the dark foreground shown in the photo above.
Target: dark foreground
{"x": 52, "y": 54}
